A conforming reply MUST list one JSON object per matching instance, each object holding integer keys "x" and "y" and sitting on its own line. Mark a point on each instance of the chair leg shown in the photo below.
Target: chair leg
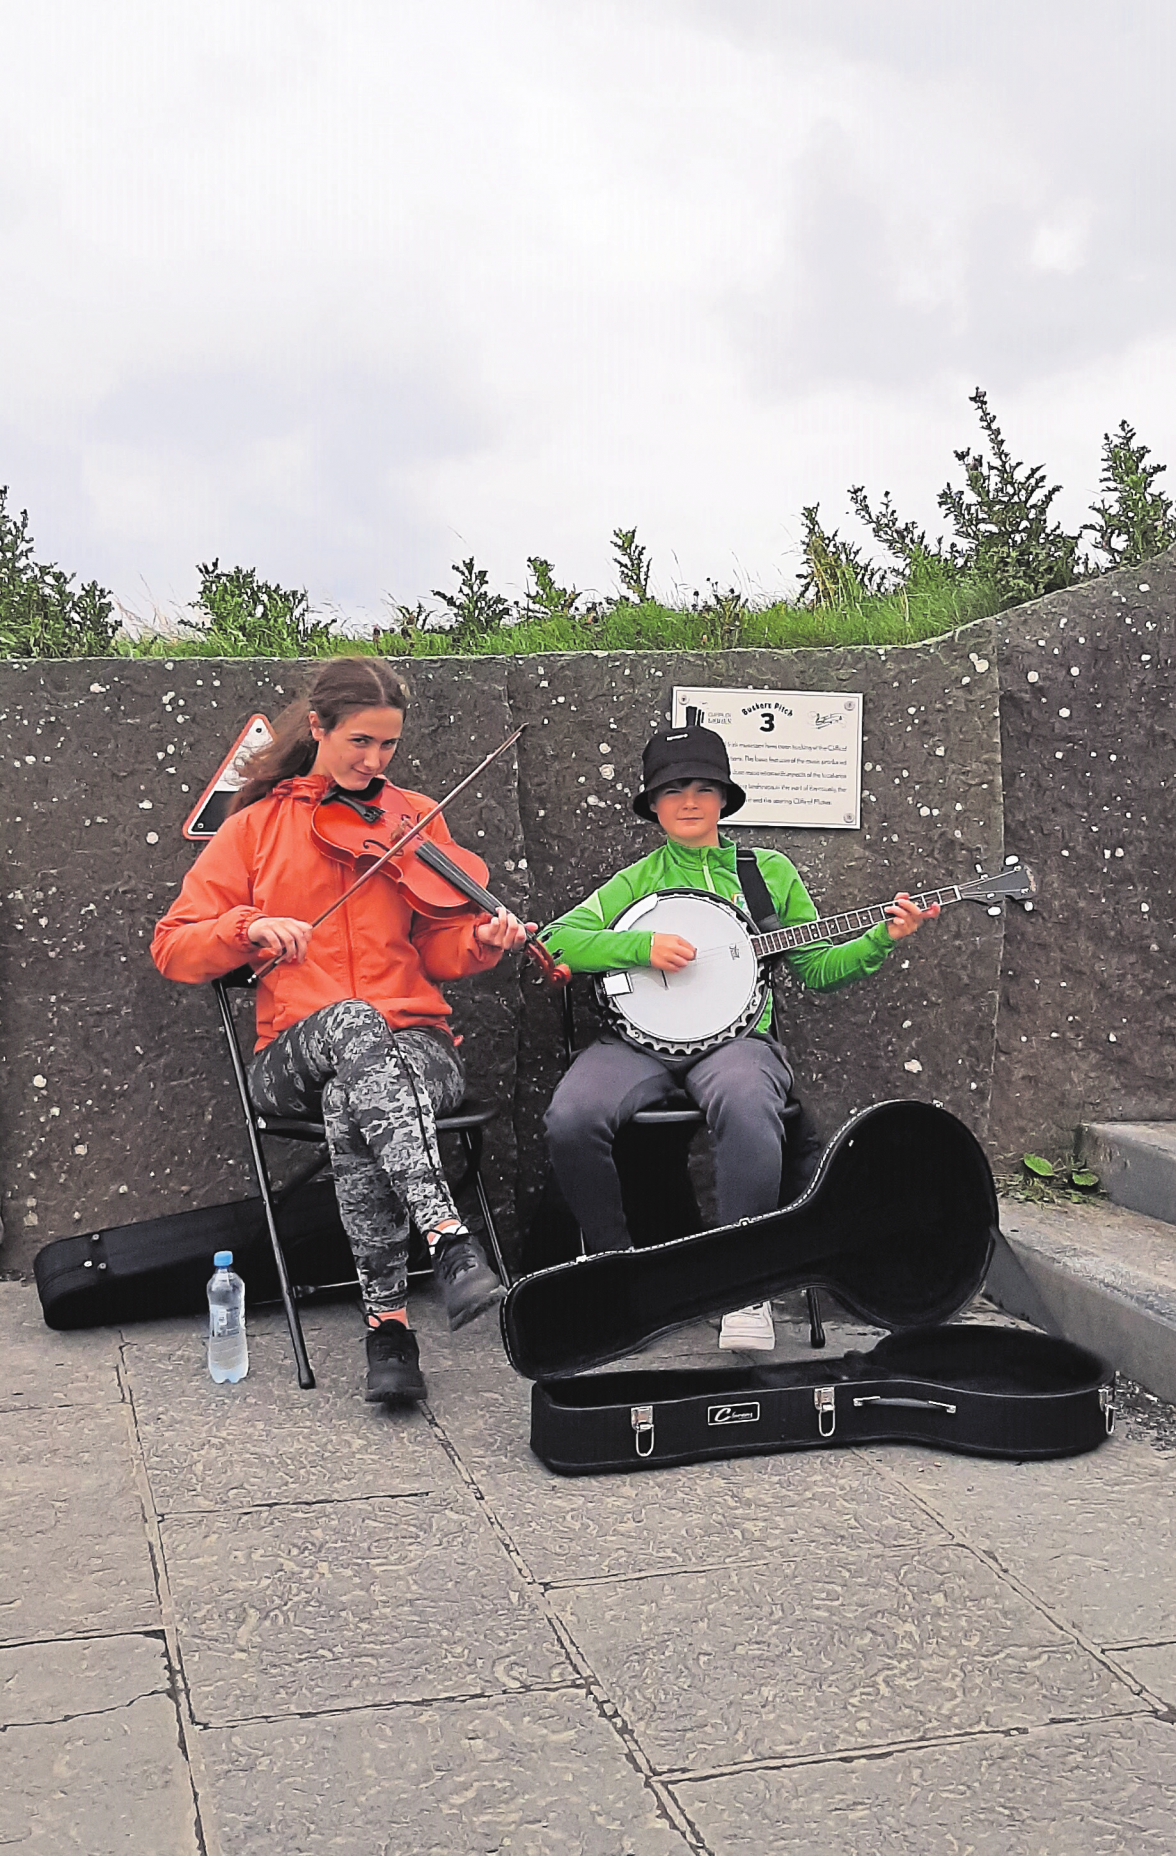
{"x": 816, "y": 1325}
{"x": 293, "y": 1321}
{"x": 471, "y": 1140}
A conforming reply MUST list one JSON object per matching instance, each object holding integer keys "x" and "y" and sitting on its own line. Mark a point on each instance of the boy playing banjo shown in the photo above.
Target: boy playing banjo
{"x": 742, "y": 1085}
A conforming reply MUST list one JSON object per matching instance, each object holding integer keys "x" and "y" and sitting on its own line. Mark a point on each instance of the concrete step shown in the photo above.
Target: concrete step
{"x": 1136, "y": 1162}
{"x": 1104, "y": 1275}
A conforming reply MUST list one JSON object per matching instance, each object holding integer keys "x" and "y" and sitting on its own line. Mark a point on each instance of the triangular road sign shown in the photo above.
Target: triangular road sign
{"x": 208, "y": 814}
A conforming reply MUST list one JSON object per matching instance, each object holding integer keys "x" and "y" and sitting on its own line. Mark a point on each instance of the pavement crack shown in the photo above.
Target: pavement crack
{"x": 667, "y": 1806}
{"x": 306, "y": 1501}
{"x": 89, "y": 1714}
{"x": 884, "y": 1750}
{"x": 344, "y": 1710}
{"x": 186, "y": 1741}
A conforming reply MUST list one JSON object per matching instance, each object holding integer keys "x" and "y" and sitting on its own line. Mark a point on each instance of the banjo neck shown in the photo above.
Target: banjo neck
{"x": 1017, "y": 882}
{"x": 829, "y": 927}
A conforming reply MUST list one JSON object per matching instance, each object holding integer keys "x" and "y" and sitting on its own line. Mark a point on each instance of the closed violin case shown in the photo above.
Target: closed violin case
{"x": 161, "y": 1266}
{"x": 900, "y": 1224}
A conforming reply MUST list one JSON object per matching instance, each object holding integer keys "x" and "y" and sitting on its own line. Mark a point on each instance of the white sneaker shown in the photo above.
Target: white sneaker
{"x": 749, "y": 1327}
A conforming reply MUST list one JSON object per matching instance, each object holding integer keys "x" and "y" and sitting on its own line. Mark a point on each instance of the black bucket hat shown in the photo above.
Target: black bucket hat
{"x": 685, "y": 754}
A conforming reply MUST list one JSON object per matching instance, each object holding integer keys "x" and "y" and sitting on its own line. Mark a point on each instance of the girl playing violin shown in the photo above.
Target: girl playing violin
{"x": 351, "y": 1021}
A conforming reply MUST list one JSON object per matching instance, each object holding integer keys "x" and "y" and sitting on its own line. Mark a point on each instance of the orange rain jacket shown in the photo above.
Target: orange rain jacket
{"x": 265, "y": 861}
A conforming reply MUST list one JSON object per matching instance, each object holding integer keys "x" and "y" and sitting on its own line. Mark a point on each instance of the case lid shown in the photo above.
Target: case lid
{"x": 899, "y": 1223}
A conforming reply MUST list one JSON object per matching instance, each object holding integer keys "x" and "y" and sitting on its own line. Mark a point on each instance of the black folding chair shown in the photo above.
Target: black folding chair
{"x": 468, "y": 1122}
{"x": 678, "y": 1112}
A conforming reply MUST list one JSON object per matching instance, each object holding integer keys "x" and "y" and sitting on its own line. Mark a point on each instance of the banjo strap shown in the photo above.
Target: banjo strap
{"x": 759, "y": 903}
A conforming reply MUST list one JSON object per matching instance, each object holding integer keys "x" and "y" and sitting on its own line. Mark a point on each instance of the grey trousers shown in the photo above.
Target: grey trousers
{"x": 378, "y": 1092}
{"x": 742, "y": 1088}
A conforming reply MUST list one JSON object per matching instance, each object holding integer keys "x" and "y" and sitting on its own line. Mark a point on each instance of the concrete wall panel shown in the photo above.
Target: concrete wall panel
{"x": 1088, "y": 1019}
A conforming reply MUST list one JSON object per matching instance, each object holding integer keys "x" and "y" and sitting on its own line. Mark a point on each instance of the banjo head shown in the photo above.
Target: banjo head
{"x": 718, "y": 996}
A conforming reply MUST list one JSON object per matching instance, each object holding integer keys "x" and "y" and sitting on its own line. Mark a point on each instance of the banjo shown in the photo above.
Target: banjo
{"x": 723, "y": 992}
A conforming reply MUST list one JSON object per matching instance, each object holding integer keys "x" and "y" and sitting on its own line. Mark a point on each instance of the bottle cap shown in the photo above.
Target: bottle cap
{"x": 222, "y": 1260}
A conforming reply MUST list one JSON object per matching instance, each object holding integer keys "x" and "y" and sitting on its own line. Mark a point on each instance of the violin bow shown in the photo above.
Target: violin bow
{"x": 413, "y": 831}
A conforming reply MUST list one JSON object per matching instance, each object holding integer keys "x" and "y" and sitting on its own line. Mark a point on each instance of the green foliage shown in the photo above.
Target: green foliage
{"x": 1041, "y": 1169}
{"x": 545, "y": 599}
{"x": 397, "y": 640}
{"x": 1001, "y": 517}
{"x": 633, "y": 566}
{"x": 1006, "y": 550}
{"x": 905, "y": 541}
{"x": 835, "y": 572}
{"x": 476, "y": 610}
{"x": 725, "y": 613}
{"x": 42, "y": 614}
{"x": 245, "y": 616}
{"x": 1134, "y": 522}
{"x": 1046, "y": 1182}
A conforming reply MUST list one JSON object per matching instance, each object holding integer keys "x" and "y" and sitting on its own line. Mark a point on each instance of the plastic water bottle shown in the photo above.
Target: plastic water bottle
{"x": 228, "y": 1348}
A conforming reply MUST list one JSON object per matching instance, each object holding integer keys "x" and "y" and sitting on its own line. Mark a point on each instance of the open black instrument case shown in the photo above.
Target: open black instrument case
{"x": 899, "y": 1223}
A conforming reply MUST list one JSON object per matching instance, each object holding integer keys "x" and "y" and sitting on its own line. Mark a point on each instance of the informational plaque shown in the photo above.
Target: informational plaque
{"x": 796, "y": 753}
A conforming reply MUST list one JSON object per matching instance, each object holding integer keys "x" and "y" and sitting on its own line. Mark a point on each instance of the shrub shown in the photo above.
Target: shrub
{"x": 250, "y": 617}
{"x": 42, "y": 614}
{"x": 1137, "y": 522}
{"x": 633, "y": 567}
{"x": 835, "y": 573}
{"x": 475, "y": 609}
{"x": 1001, "y": 517}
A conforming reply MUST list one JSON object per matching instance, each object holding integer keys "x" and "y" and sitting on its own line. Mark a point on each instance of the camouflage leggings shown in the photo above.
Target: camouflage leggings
{"x": 377, "y": 1091}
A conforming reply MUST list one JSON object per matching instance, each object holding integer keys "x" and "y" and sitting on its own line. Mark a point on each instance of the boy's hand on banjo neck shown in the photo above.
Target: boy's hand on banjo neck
{"x": 669, "y": 953}
{"x": 904, "y": 917}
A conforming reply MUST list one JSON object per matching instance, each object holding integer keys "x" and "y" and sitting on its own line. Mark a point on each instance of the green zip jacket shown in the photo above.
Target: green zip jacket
{"x": 585, "y": 941}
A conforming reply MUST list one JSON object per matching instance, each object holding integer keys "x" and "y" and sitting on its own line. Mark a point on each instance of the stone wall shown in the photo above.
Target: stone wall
{"x": 115, "y": 1100}
{"x": 1088, "y": 740}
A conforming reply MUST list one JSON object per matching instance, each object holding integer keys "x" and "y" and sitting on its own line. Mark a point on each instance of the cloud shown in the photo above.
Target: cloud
{"x": 345, "y": 291}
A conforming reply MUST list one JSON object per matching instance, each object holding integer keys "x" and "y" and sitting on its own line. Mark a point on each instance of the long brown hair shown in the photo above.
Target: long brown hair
{"x": 342, "y": 686}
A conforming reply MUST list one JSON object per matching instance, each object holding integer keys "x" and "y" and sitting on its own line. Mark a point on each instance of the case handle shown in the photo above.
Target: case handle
{"x": 825, "y": 1400}
{"x": 915, "y": 1404}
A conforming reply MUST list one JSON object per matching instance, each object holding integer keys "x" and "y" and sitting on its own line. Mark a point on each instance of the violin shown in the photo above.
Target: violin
{"x": 435, "y": 881}
{"x": 441, "y": 881}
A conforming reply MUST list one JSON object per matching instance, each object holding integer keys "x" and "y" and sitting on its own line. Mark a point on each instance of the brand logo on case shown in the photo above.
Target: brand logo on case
{"x": 747, "y": 1413}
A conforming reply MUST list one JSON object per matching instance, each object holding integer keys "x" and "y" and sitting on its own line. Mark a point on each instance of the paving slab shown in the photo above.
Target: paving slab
{"x": 348, "y": 1604}
{"x": 61, "y": 1681}
{"x": 826, "y": 1654}
{"x": 1153, "y": 1664}
{"x": 109, "y": 1784}
{"x": 1108, "y": 1789}
{"x": 522, "y": 1775}
{"x": 45, "y": 1368}
{"x": 74, "y": 1554}
{"x": 569, "y": 1528}
{"x": 1094, "y": 1535}
{"x": 201, "y": 1441}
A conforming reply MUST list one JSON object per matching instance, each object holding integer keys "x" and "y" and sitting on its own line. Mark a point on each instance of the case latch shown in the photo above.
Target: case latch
{"x": 825, "y": 1400}
{"x": 1106, "y": 1400}
{"x": 641, "y": 1418}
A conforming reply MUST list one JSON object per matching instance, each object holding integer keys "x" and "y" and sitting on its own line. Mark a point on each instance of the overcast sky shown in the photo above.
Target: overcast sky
{"x": 348, "y": 290}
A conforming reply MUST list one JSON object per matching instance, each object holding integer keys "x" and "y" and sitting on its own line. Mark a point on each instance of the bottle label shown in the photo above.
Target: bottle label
{"x": 223, "y": 1323}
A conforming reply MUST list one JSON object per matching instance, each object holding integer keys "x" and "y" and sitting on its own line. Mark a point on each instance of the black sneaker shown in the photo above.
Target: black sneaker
{"x": 468, "y": 1283}
{"x": 393, "y": 1365}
